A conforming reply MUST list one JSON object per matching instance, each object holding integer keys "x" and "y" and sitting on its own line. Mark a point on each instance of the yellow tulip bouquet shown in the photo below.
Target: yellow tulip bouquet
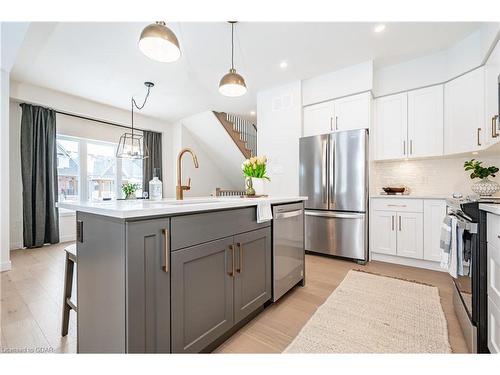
{"x": 255, "y": 167}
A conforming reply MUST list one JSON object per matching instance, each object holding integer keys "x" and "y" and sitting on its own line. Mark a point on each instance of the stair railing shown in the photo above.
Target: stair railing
{"x": 247, "y": 131}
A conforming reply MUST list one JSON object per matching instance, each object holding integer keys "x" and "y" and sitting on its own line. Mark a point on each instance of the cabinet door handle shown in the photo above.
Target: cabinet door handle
{"x": 79, "y": 230}
{"x": 404, "y": 147}
{"x": 166, "y": 249}
{"x": 240, "y": 252}
{"x": 331, "y": 123}
{"x": 478, "y": 135}
{"x": 399, "y": 223}
{"x": 231, "y": 273}
{"x": 411, "y": 146}
{"x": 392, "y": 221}
{"x": 494, "y": 133}
{"x": 396, "y": 205}
{"x": 336, "y": 123}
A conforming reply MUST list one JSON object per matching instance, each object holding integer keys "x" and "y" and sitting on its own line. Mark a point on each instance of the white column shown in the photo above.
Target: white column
{"x": 5, "y": 264}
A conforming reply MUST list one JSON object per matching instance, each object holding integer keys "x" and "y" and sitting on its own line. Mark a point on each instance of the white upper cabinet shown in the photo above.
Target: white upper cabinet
{"x": 464, "y": 124}
{"x": 425, "y": 122}
{"x": 353, "y": 112}
{"x": 391, "y": 127}
{"x": 318, "y": 119}
{"x": 492, "y": 103}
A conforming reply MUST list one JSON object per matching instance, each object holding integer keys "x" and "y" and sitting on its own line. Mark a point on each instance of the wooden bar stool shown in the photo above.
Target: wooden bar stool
{"x": 68, "y": 287}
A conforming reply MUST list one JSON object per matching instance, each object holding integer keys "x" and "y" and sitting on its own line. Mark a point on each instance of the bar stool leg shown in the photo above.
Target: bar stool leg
{"x": 68, "y": 286}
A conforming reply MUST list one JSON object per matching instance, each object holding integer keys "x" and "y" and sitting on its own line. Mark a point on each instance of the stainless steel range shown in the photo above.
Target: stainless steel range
{"x": 470, "y": 297}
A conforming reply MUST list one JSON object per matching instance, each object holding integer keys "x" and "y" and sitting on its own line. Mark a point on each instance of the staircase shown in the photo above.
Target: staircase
{"x": 241, "y": 131}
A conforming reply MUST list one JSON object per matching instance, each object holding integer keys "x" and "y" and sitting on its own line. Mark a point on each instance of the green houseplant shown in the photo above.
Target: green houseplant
{"x": 254, "y": 170}
{"x": 129, "y": 190}
{"x": 485, "y": 187}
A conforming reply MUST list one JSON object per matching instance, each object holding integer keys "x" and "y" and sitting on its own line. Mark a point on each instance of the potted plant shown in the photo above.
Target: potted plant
{"x": 129, "y": 190}
{"x": 484, "y": 187}
{"x": 254, "y": 170}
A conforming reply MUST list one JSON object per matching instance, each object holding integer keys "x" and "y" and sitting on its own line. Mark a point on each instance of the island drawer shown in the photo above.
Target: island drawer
{"x": 189, "y": 230}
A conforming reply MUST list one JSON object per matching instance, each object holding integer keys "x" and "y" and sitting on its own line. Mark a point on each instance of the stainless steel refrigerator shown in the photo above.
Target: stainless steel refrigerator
{"x": 334, "y": 175}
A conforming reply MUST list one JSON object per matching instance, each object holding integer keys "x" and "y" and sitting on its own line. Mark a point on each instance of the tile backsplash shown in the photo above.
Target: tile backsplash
{"x": 427, "y": 177}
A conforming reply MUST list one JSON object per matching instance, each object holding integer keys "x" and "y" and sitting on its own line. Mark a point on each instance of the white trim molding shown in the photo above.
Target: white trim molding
{"x": 418, "y": 263}
{"x": 5, "y": 266}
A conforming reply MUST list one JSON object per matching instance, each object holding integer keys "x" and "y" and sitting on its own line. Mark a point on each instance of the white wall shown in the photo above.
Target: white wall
{"x": 23, "y": 92}
{"x": 209, "y": 175}
{"x": 279, "y": 111}
{"x": 347, "y": 81}
{"x": 428, "y": 177}
{"x": 5, "y": 263}
{"x": 11, "y": 37}
{"x": 211, "y": 137}
{"x": 466, "y": 54}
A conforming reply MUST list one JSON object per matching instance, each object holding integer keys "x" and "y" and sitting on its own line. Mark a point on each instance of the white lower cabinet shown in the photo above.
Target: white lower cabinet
{"x": 407, "y": 228}
{"x": 434, "y": 214}
{"x": 410, "y": 236}
{"x": 383, "y": 234}
{"x": 397, "y": 233}
{"x": 493, "y": 327}
{"x": 493, "y": 272}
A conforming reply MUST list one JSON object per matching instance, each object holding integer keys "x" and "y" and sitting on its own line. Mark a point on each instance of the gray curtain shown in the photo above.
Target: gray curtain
{"x": 152, "y": 140}
{"x": 39, "y": 176}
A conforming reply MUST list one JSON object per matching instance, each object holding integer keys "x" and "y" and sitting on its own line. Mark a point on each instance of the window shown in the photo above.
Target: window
{"x": 100, "y": 176}
{"x": 132, "y": 173}
{"x": 68, "y": 169}
{"x": 101, "y": 170}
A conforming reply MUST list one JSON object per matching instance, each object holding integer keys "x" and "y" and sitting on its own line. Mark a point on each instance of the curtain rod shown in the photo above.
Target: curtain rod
{"x": 96, "y": 120}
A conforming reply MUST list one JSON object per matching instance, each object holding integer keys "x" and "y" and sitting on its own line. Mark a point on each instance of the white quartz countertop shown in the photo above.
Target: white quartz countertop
{"x": 410, "y": 196}
{"x": 492, "y": 208}
{"x": 124, "y": 209}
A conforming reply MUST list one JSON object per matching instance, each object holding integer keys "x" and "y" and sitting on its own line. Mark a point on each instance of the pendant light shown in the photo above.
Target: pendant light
{"x": 232, "y": 84}
{"x": 159, "y": 43}
{"x": 131, "y": 145}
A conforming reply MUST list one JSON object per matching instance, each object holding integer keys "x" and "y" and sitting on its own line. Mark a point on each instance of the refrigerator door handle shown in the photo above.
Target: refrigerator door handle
{"x": 331, "y": 172}
{"x": 336, "y": 215}
{"x": 324, "y": 177}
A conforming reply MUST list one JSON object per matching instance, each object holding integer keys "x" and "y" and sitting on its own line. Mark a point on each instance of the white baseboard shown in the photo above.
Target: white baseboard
{"x": 67, "y": 238}
{"x": 5, "y": 266}
{"x": 419, "y": 263}
{"x": 17, "y": 245}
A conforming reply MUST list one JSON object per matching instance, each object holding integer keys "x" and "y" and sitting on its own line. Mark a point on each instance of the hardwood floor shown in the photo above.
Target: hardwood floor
{"x": 31, "y": 299}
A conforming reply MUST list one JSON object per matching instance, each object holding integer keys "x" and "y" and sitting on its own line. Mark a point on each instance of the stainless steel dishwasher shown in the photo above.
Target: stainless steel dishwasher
{"x": 288, "y": 247}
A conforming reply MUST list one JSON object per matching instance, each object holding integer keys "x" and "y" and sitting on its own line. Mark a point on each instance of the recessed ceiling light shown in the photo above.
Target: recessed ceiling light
{"x": 252, "y": 113}
{"x": 283, "y": 65}
{"x": 379, "y": 28}
{"x": 475, "y": 153}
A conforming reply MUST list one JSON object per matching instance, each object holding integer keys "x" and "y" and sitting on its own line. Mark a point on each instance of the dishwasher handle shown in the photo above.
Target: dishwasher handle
{"x": 287, "y": 214}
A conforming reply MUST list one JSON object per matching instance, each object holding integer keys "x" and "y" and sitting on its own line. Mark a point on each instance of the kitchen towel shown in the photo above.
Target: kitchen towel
{"x": 264, "y": 212}
{"x": 445, "y": 239}
{"x": 449, "y": 259}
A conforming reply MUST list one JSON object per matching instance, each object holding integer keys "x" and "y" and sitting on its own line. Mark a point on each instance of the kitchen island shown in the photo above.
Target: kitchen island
{"x": 170, "y": 276}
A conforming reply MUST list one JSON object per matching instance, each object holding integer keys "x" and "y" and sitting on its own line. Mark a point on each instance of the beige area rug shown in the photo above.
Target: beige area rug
{"x": 368, "y": 313}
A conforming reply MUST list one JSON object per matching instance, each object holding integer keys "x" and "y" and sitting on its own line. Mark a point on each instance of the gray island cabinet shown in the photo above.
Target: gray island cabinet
{"x": 169, "y": 284}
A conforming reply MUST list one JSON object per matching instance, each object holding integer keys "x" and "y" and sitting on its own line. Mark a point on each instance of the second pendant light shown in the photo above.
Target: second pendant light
{"x": 232, "y": 84}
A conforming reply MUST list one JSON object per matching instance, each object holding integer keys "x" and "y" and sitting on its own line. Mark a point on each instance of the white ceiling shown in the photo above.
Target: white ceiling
{"x": 101, "y": 61}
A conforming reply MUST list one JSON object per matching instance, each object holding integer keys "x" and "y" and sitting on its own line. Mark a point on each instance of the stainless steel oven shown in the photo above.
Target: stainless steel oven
{"x": 470, "y": 289}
